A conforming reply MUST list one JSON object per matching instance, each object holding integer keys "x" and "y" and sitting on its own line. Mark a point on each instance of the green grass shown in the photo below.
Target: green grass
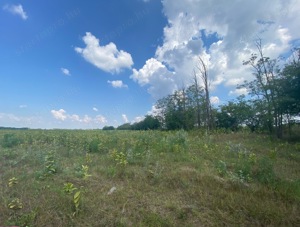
{"x": 161, "y": 179}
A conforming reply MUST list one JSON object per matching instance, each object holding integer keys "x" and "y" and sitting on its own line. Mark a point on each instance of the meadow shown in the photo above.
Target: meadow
{"x": 147, "y": 178}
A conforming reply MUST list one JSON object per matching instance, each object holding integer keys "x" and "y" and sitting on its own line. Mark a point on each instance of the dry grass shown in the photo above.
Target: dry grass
{"x": 170, "y": 179}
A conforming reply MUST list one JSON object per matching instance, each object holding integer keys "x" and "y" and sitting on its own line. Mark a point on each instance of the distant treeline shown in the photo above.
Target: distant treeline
{"x": 12, "y": 128}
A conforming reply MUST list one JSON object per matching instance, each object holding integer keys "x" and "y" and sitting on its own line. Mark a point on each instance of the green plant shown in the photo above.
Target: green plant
{"x": 12, "y": 181}
{"x": 94, "y": 145}
{"x": 221, "y": 167}
{"x": 15, "y": 204}
{"x": 76, "y": 201}
{"x": 50, "y": 163}
{"x": 85, "y": 171}
{"x": 10, "y": 140}
{"x": 119, "y": 157}
{"x": 69, "y": 188}
{"x": 265, "y": 172}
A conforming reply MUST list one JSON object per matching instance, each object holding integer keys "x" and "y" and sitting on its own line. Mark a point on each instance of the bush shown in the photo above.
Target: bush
{"x": 94, "y": 145}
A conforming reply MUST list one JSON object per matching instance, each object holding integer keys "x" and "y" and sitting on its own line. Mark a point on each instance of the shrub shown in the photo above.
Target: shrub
{"x": 94, "y": 145}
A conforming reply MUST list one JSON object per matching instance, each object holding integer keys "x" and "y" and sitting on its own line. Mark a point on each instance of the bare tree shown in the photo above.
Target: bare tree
{"x": 201, "y": 67}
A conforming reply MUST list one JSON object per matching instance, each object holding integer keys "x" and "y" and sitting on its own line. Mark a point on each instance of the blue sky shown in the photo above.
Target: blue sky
{"x": 75, "y": 64}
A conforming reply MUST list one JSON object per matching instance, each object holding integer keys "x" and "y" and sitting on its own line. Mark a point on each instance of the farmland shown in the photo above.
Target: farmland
{"x": 147, "y": 178}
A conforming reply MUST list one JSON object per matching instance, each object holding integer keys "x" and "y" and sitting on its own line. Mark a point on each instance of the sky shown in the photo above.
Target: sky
{"x": 86, "y": 64}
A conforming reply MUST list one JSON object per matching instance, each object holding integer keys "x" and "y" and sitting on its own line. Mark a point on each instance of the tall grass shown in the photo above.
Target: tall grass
{"x": 149, "y": 178}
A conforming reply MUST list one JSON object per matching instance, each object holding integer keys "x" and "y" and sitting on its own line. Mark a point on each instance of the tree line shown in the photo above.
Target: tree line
{"x": 272, "y": 102}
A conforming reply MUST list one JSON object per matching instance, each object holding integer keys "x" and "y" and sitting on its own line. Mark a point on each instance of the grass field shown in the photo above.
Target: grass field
{"x": 151, "y": 178}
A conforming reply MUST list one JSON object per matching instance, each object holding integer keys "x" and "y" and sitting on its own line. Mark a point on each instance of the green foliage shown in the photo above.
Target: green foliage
{"x": 12, "y": 181}
{"x": 177, "y": 142}
{"x": 180, "y": 172}
{"x": 69, "y": 188}
{"x": 76, "y": 201}
{"x": 50, "y": 163}
{"x": 265, "y": 173}
{"x": 119, "y": 157}
{"x": 94, "y": 145}
{"x": 10, "y": 140}
{"x": 221, "y": 167}
{"x": 108, "y": 128}
{"x": 85, "y": 171}
{"x": 15, "y": 204}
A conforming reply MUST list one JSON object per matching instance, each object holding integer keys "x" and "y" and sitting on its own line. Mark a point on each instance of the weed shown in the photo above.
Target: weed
{"x": 221, "y": 167}
{"x": 69, "y": 188}
{"x": 15, "y": 204}
{"x": 85, "y": 171}
{"x": 50, "y": 163}
{"x": 76, "y": 201}
{"x": 119, "y": 157}
{"x": 12, "y": 181}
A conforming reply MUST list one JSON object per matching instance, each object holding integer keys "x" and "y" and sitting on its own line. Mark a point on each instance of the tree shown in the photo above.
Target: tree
{"x": 108, "y": 128}
{"x": 149, "y": 123}
{"x": 264, "y": 88}
{"x": 126, "y": 126}
{"x": 202, "y": 69}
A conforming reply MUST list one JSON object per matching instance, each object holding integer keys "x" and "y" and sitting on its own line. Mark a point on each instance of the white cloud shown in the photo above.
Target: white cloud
{"x": 238, "y": 92}
{"x": 138, "y": 119}
{"x": 107, "y": 58}
{"x": 234, "y": 27}
{"x": 117, "y": 84}
{"x": 100, "y": 119}
{"x": 59, "y": 114}
{"x": 63, "y": 116}
{"x": 125, "y": 119}
{"x": 65, "y": 71}
{"x": 157, "y": 76}
{"x": 16, "y": 10}
{"x": 95, "y": 109}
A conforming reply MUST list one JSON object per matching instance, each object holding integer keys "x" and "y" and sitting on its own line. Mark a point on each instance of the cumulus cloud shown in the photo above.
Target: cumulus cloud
{"x": 224, "y": 35}
{"x": 107, "y": 58}
{"x": 117, "y": 84}
{"x": 59, "y": 114}
{"x": 95, "y": 109}
{"x": 16, "y": 10}
{"x": 125, "y": 119}
{"x": 100, "y": 119}
{"x": 65, "y": 71}
{"x": 138, "y": 119}
{"x": 158, "y": 78}
{"x": 63, "y": 116}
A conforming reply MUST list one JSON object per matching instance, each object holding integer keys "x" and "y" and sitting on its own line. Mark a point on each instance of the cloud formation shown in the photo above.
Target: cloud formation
{"x": 224, "y": 35}
{"x": 156, "y": 76}
{"x": 117, "y": 84}
{"x": 107, "y": 58}
{"x": 62, "y": 116}
{"x": 125, "y": 119}
{"x": 16, "y": 10}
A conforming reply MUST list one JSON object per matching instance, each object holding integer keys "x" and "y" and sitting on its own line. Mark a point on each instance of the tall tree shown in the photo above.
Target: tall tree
{"x": 203, "y": 72}
{"x": 264, "y": 87}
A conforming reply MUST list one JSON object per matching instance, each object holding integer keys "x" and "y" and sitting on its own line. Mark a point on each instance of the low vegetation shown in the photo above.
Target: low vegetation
{"x": 147, "y": 178}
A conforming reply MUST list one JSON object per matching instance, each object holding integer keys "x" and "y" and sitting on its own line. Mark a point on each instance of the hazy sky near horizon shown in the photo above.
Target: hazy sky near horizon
{"x": 86, "y": 64}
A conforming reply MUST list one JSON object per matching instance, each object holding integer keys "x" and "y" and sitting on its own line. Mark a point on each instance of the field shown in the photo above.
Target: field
{"x": 147, "y": 178}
